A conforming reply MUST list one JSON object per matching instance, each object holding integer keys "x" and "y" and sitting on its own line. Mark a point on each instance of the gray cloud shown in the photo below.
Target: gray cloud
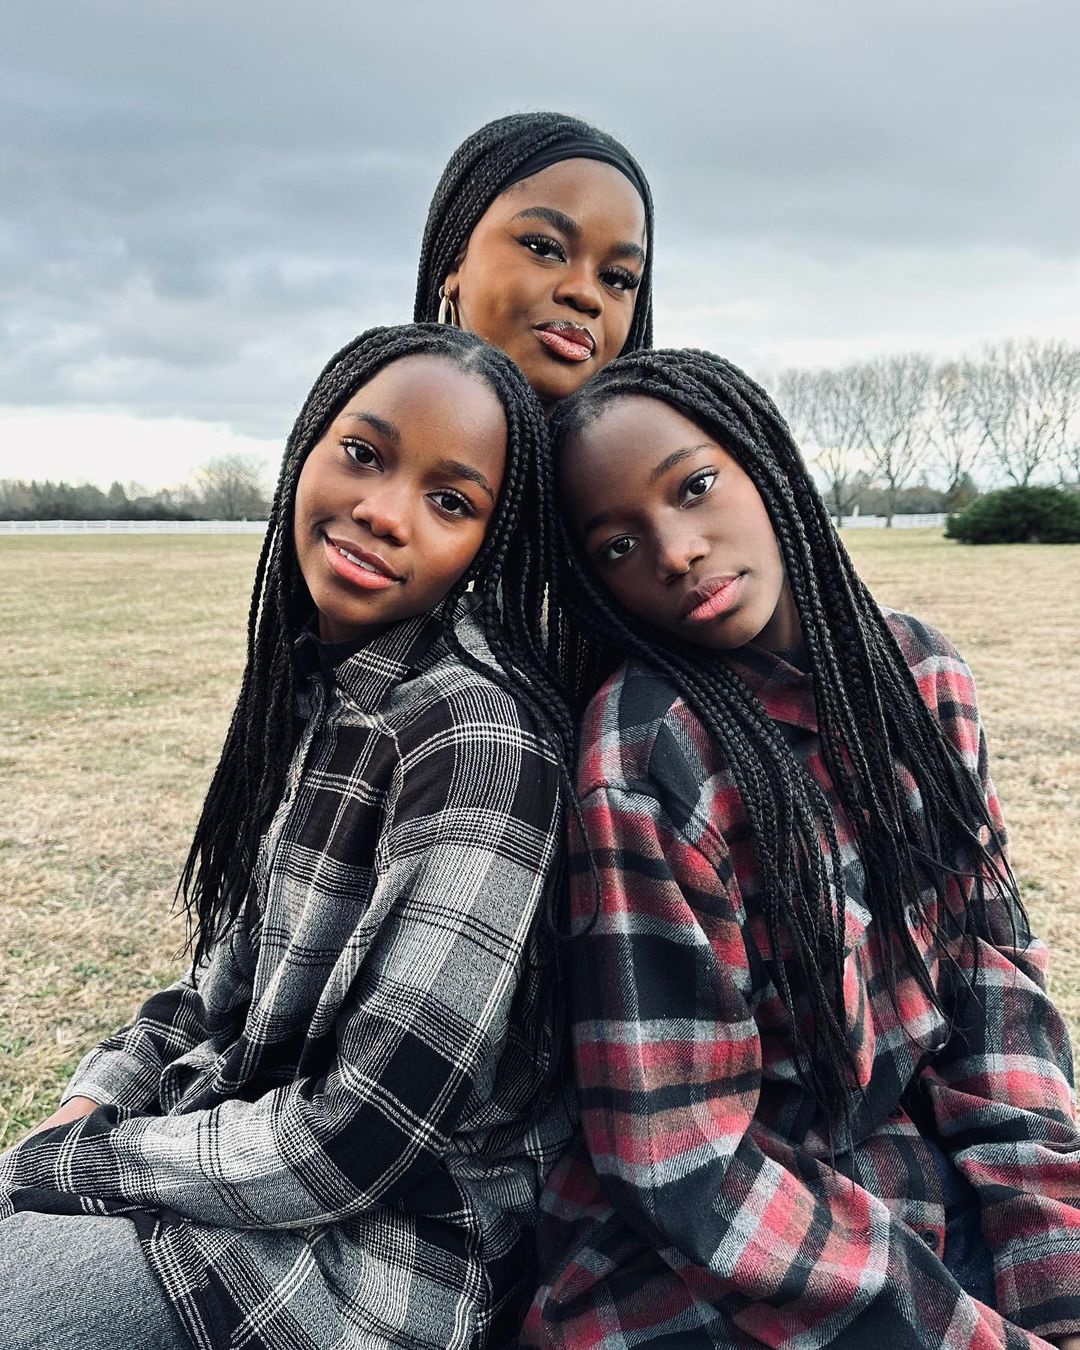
{"x": 205, "y": 200}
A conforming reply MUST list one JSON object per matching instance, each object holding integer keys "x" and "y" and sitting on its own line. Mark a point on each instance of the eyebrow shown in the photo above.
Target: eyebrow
{"x": 459, "y": 470}
{"x": 676, "y": 457}
{"x": 569, "y": 226}
{"x": 668, "y": 462}
{"x": 385, "y": 428}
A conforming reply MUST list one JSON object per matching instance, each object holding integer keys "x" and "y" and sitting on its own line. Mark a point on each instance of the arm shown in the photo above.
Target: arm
{"x": 669, "y": 1066}
{"x": 72, "y": 1108}
{"x": 1000, "y": 1088}
{"x": 464, "y": 858}
{"x": 125, "y": 1069}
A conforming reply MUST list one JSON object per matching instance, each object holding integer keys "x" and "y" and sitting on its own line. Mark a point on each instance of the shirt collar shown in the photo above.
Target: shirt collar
{"x": 780, "y": 681}
{"x": 365, "y": 672}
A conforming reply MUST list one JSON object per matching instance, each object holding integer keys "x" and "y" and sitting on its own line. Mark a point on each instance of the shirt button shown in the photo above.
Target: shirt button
{"x": 896, "y": 1113}
{"x": 913, "y": 917}
{"x": 929, "y": 1237}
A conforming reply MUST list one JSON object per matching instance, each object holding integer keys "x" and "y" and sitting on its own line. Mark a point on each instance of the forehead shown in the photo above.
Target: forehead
{"x": 611, "y": 461}
{"x": 633, "y": 431}
{"x": 436, "y": 406}
{"x": 594, "y": 194}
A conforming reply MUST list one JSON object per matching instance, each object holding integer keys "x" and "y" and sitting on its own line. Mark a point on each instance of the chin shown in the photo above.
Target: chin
{"x": 551, "y": 385}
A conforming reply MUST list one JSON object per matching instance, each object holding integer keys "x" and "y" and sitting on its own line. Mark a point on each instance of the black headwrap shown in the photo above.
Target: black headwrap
{"x": 593, "y": 148}
{"x": 494, "y": 158}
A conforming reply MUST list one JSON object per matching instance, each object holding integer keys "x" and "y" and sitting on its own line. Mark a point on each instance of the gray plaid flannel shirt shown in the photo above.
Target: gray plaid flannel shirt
{"x": 335, "y": 1135}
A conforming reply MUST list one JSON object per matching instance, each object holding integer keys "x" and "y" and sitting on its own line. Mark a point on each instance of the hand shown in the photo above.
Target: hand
{"x": 1070, "y": 1342}
{"x": 73, "y": 1109}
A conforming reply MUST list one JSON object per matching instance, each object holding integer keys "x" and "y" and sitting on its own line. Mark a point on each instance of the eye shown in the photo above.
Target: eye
{"x": 697, "y": 485}
{"x": 616, "y": 548}
{"x": 361, "y": 452}
{"x": 452, "y": 504}
{"x": 620, "y": 279}
{"x": 543, "y": 246}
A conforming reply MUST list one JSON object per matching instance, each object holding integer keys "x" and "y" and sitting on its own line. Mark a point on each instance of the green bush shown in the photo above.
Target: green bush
{"x": 1019, "y": 515}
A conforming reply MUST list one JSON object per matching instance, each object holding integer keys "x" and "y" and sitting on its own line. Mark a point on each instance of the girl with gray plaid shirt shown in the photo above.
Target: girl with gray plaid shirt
{"x": 334, "y": 1131}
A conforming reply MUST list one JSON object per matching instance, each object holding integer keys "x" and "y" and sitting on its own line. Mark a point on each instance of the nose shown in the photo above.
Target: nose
{"x": 676, "y": 554}
{"x": 579, "y": 287}
{"x": 384, "y": 510}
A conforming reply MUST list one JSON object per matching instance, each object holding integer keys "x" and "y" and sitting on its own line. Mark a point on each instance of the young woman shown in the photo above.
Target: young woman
{"x": 334, "y": 1132}
{"x": 825, "y": 1099}
{"x": 539, "y": 239}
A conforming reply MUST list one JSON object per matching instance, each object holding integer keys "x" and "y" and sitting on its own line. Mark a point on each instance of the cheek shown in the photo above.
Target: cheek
{"x": 619, "y": 330}
{"x": 315, "y": 479}
{"x": 451, "y": 559}
{"x": 301, "y": 508}
{"x": 485, "y": 287}
{"x": 623, "y": 587}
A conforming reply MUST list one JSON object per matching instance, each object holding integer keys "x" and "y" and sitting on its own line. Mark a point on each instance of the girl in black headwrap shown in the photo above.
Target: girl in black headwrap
{"x": 539, "y": 239}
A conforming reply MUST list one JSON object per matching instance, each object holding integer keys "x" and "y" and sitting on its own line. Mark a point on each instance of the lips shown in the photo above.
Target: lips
{"x": 568, "y": 340}
{"x": 359, "y": 566}
{"x": 712, "y": 597}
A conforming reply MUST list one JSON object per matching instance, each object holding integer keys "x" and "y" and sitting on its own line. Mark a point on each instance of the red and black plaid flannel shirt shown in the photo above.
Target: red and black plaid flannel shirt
{"x": 701, "y": 1208}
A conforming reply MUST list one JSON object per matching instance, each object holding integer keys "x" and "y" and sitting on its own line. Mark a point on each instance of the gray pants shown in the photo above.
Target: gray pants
{"x": 80, "y": 1282}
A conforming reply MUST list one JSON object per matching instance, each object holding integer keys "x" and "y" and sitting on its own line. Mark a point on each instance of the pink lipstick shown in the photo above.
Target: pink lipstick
{"x": 357, "y": 566}
{"x": 570, "y": 341}
{"x": 713, "y": 597}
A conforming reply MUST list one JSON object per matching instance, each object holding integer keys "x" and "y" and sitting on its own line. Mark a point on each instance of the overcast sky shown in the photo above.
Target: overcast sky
{"x": 202, "y": 202}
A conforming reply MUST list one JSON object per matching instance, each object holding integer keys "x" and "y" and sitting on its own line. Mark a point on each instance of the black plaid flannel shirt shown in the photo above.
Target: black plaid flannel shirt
{"x": 335, "y": 1134}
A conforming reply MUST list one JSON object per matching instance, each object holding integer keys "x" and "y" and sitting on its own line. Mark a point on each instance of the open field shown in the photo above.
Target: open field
{"x": 120, "y": 665}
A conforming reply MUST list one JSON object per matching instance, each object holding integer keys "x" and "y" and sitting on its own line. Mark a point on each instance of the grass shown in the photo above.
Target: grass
{"x": 117, "y": 681}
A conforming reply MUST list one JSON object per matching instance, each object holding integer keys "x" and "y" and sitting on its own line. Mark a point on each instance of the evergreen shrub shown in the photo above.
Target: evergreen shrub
{"x": 1019, "y": 515}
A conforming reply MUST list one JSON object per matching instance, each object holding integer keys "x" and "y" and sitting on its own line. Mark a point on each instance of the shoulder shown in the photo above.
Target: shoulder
{"x": 464, "y": 737}
{"x": 931, "y": 657}
{"x": 943, "y": 677}
{"x": 919, "y": 641}
{"x": 639, "y": 735}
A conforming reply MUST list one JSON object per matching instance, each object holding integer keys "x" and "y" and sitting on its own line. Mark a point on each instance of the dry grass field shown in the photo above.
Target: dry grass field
{"x": 120, "y": 663}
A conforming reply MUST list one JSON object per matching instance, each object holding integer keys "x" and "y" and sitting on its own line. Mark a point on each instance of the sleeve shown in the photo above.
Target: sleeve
{"x": 669, "y": 1065}
{"x": 125, "y": 1069}
{"x": 1001, "y": 1087}
{"x": 470, "y": 839}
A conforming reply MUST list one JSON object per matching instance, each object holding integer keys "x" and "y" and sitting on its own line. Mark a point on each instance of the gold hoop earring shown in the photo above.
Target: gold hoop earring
{"x": 447, "y": 309}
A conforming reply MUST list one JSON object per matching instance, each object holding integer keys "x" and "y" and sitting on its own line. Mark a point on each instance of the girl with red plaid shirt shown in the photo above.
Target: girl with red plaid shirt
{"x": 825, "y": 1099}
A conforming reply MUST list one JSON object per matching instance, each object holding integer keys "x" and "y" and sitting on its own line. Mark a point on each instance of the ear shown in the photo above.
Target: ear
{"x": 452, "y": 284}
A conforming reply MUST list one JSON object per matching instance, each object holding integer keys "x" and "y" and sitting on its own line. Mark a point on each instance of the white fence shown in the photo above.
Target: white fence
{"x": 935, "y": 520}
{"x": 132, "y": 526}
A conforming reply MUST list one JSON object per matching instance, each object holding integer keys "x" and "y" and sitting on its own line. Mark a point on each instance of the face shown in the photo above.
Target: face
{"x": 676, "y": 529}
{"x": 394, "y": 502}
{"x": 550, "y": 273}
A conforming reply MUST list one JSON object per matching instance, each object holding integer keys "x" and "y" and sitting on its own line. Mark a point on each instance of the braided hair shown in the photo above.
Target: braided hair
{"x": 507, "y": 576}
{"x": 873, "y": 726}
{"x": 480, "y": 169}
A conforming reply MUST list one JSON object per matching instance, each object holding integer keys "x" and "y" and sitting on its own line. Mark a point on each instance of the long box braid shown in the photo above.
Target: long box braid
{"x": 872, "y": 719}
{"x": 478, "y": 171}
{"x": 508, "y": 576}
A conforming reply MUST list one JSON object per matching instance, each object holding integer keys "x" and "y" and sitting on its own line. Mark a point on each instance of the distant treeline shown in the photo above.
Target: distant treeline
{"x": 901, "y": 434}
{"x": 1007, "y": 415}
{"x": 46, "y": 500}
{"x": 229, "y": 488}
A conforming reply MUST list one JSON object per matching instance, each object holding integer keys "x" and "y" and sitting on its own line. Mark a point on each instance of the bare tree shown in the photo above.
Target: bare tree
{"x": 1015, "y": 396}
{"x": 954, "y": 449}
{"x": 796, "y": 397}
{"x": 232, "y": 489}
{"x": 1067, "y": 416}
{"x": 892, "y": 402}
{"x": 833, "y": 418}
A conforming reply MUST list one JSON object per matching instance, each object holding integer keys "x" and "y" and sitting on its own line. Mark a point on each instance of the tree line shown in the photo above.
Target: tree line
{"x": 230, "y": 487}
{"x": 1010, "y": 415}
{"x": 902, "y": 433}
